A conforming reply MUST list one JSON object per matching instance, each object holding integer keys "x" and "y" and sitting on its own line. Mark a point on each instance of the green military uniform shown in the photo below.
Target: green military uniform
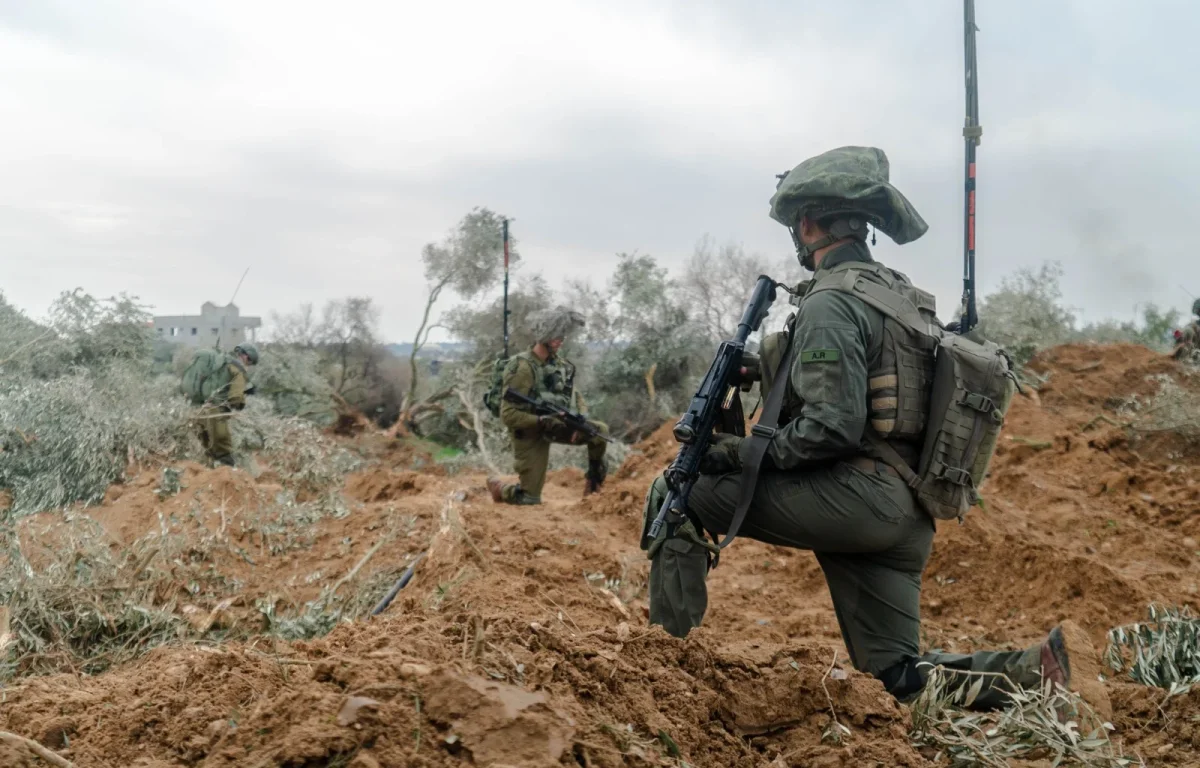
{"x": 215, "y": 434}
{"x": 219, "y": 394}
{"x": 1188, "y": 341}
{"x": 551, "y": 380}
{"x": 821, "y": 487}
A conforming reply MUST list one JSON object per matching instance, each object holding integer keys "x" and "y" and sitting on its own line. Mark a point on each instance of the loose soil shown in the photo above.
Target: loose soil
{"x": 522, "y": 640}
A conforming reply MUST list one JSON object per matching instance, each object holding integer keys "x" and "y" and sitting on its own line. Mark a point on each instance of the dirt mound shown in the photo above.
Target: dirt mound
{"x": 376, "y": 485}
{"x": 522, "y": 638}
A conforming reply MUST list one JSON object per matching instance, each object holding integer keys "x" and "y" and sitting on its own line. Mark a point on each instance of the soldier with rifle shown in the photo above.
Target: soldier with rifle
{"x": 835, "y": 462}
{"x": 539, "y": 408}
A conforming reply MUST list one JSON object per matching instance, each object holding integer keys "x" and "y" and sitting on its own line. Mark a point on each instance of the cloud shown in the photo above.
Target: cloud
{"x": 161, "y": 147}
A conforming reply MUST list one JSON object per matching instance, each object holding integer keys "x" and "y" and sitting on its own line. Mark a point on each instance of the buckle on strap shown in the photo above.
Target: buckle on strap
{"x": 978, "y": 402}
{"x": 759, "y": 430}
{"x": 956, "y": 476}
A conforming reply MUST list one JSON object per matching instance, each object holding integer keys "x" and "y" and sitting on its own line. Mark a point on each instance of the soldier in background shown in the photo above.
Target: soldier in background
{"x": 540, "y": 373}
{"x": 229, "y": 385}
{"x": 1187, "y": 341}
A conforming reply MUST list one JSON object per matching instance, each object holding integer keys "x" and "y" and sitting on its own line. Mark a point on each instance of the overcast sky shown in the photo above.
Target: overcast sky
{"x": 160, "y": 147}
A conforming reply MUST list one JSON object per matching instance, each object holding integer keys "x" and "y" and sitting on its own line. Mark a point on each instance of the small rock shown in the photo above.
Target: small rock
{"x": 1190, "y": 543}
{"x": 409, "y": 670}
{"x": 348, "y": 714}
{"x": 964, "y": 563}
{"x": 838, "y": 674}
{"x": 216, "y": 729}
{"x": 623, "y": 632}
{"x": 1089, "y": 549}
{"x": 1165, "y": 748}
{"x": 763, "y": 622}
{"x": 496, "y": 549}
{"x": 363, "y": 760}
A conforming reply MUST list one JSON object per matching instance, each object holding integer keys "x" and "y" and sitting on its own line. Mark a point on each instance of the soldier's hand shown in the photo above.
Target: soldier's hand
{"x": 723, "y": 456}
{"x": 549, "y": 423}
{"x": 750, "y": 371}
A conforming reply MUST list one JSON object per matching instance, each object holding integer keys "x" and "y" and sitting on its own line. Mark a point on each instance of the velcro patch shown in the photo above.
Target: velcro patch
{"x": 819, "y": 356}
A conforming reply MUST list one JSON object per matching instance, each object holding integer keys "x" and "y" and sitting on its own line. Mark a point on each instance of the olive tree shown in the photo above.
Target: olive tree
{"x": 467, "y": 262}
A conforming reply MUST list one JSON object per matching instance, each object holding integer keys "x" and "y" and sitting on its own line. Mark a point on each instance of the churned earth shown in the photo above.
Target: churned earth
{"x": 522, "y": 639}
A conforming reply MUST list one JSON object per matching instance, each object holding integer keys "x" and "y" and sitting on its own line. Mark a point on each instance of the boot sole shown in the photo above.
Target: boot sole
{"x": 1084, "y": 669}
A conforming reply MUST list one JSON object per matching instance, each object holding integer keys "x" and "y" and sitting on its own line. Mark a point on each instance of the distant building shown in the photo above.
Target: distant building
{"x": 225, "y": 323}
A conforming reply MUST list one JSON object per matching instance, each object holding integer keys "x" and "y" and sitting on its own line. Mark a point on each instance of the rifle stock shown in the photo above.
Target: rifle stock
{"x": 694, "y": 429}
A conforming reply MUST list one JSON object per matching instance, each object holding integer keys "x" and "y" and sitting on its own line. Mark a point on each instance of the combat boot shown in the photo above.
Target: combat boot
{"x": 596, "y": 473}
{"x": 496, "y": 488}
{"x": 1068, "y": 659}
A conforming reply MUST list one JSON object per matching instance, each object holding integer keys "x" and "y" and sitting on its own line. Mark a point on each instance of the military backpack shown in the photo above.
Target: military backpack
{"x": 493, "y": 396}
{"x": 972, "y": 387}
{"x": 207, "y": 376}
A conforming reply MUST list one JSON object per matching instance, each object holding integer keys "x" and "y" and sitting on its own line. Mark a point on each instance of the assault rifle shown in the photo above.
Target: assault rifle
{"x": 695, "y": 429}
{"x": 573, "y": 420}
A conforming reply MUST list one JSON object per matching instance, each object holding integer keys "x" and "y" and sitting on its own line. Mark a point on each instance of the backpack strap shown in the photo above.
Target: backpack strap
{"x": 888, "y": 455}
{"x": 888, "y": 301}
{"x": 760, "y": 438}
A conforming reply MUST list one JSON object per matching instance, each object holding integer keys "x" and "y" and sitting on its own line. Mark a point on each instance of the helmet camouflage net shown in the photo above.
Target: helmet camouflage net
{"x": 249, "y": 350}
{"x": 844, "y": 182}
{"x": 557, "y": 323}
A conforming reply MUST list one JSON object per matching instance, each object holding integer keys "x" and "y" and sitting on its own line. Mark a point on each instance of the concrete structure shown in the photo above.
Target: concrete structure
{"x": 203, "y": 330}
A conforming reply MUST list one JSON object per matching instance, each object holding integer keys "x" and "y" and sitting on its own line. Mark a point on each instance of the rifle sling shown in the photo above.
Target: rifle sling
{"x": 760, "y": 438}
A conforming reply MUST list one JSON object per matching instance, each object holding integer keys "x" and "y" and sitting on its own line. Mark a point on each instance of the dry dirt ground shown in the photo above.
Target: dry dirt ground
{"x": 522, "y": 640}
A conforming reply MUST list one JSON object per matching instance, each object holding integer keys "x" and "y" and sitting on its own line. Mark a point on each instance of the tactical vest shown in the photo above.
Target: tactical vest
{"x": 947, "y": 391}
{"x": 553, "y": 380}
{"x": 899, "y": 380}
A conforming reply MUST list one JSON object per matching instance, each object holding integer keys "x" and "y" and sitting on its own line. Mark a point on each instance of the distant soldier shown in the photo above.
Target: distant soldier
{"x": 1187, "y": 341}
{"x": 539, "y": 373}
{"x": 218, "y": 383}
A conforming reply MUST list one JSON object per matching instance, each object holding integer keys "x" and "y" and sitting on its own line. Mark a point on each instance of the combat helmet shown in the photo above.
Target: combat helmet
{"x": 249, "y": 350}
{"x": 556, "y": 323}
{"x": 846, "y": 189}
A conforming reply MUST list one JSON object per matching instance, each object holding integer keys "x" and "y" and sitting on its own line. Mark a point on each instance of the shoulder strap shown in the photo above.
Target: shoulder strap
{"x": 891, "y": 303}
{"x": 888, "y": 455}
{"x": 760, "y": 437}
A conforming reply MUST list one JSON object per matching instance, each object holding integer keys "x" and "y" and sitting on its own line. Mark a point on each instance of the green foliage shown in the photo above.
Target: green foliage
{"x": 471, "y": 257}
{"x": 1026, "y": 314}
{"x": 1029, "y": 729}
{"x": 317, "y": 360}
{"x": 482, "y": 326}
{"x": 1163, "y": 651}
{"x": 67, "y": 439}
{"x": 1154, "y": 331}
{"x": 643, "y": 328}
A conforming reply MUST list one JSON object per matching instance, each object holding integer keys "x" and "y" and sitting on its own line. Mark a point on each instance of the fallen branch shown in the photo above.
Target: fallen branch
{"x": 1035, "y": 444}
{"x": 363, "y": 561}
{"x": 37, "y": 749}
{"x": 466, "y": 395}
{"x": 1104, "y": 419}
{"x": 836, "y": 732}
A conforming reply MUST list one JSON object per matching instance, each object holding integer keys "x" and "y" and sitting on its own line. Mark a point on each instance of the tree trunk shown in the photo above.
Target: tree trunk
{"x": 419, "y": 342}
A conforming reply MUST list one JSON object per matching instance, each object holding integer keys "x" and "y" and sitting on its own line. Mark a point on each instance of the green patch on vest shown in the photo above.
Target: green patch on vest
{"x": 819, "y": 356}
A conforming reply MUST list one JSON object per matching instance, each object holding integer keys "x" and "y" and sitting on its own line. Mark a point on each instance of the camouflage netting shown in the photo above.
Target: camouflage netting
{"x": 556, "y": 323}
{"x": 848, "y": 180}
